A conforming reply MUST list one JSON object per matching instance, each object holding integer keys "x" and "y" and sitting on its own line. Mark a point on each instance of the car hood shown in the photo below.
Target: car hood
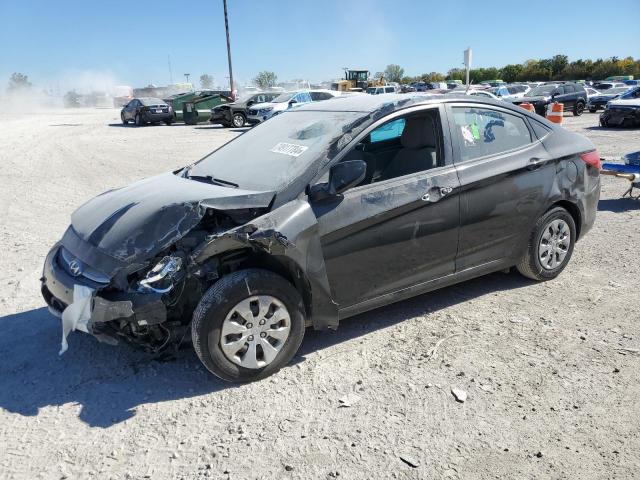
{"x": 526, "y": 99}
{"x": 630, "y": 102}
{"x": 138, "y": 221}
{"x": 274, "y": 105}
{"x": 603, "y": 97}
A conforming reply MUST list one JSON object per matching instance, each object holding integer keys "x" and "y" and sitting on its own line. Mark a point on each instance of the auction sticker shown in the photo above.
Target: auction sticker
{"x": 289, "y": 149}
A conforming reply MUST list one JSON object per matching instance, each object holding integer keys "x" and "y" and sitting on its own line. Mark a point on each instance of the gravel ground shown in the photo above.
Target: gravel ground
{"x": 552, "y": 392}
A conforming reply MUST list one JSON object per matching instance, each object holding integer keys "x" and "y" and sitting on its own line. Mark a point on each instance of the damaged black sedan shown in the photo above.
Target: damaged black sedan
{"x": 324, "y": 212}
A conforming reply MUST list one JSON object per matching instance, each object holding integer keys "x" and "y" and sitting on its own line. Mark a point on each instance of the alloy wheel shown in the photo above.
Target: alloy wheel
{"x": 554, "y": 244}
{"x": 254, "y": 331}
{"x": 238, "y": 120}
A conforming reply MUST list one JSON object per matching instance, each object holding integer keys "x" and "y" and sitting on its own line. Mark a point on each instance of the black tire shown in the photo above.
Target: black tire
{"x": 124, "y": 122}
{"x": 216, "y": 303}
{"x": 603, "y": 123}
{"x": 530, "y": 265}
{"x": 238, "y": 120}
{"x": 138, "y": 120}
{"x": 578, "y": 109}
{"x": 593, "y": 110}
{"x": 168, "y": 122}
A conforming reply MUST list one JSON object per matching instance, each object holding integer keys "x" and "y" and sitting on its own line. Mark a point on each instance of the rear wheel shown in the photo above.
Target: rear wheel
{"x": 578, "y": 109}
{"x": 238, "y": 120}
{"x": 593, "y": 110}
{"x": 550, "y": 245}
{"x": 248, "y": 325}
{"x": 168, "y": 122}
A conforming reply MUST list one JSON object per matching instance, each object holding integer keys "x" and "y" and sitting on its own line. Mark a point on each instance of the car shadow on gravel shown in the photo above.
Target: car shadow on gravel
{"x": 618, "y": 205}
{"x": 109, "y": 383}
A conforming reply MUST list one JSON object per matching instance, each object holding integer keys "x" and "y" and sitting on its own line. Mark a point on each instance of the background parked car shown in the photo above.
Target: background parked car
{"x": 600, "y": 101}
{"x": 146, "y": 110}
{"x": 261, "y": 112}
{"x": 510, "y": 92}
{"x": 591, "y": 91}
{"x": 572, "y": 95}
{"x": 623, "y": 111}
{"x": 381, "y": 90}
{"x": 608, "y": 85}
{"x": 235, "y": 114}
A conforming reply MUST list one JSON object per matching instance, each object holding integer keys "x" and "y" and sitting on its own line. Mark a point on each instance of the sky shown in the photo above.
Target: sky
{"x": 78, "y": 42}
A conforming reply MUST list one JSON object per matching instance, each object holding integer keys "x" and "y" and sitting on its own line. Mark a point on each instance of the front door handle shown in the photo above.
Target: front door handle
{"x": 434, "y": 194}
{"x": 534, "y": 163}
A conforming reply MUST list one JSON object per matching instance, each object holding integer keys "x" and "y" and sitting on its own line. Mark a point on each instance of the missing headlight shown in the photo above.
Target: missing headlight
{"x": 161, "y": 278}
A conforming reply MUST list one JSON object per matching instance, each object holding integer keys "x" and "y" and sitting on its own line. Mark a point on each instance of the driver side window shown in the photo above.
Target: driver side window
{"x": 402, "y": 146}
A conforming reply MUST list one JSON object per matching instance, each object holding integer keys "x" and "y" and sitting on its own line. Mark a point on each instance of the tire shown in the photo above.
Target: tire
{"x": 578, "y": 109}
{"x": 168, "y": 122}
{"x": 221, "y": 300}
{"x": 124, "y": 122}
{"x": 593, "y": 110}
{"x": 238, "y": 120}
{"x": 530, "y": 265}
{"x": 604, "y": 123}
{"x": 138, "y": 120}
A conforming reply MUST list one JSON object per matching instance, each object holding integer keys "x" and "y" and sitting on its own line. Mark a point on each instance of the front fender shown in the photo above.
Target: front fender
{"x": 290, "y": 231}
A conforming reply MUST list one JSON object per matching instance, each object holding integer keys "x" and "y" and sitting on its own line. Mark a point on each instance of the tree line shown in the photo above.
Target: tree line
{"x": 557, "y": 67}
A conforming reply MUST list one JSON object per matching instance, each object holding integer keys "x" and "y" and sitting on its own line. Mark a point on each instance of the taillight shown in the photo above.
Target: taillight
{"x": 592, "y": 159}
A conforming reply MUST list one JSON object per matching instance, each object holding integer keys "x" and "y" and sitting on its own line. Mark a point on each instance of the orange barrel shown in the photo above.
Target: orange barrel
{"x": 528, "y": 106}
{"x": 555, "y": 112}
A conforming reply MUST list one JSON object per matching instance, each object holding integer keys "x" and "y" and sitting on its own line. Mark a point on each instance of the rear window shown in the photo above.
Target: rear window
{"x": 482, "y": 132}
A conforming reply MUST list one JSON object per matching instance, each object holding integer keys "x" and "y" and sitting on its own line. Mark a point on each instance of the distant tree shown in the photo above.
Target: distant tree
{"x": 510, "y": 73}
{"x": 265, "y": 79}
{"x": 393, "y": 73}
{"x": 378, "y": 75}
{"x": 558, "y": 64}
{"x": 206, "y": 81}
{"x": 456, "y": 74}
{"x": 71, "y": 99}
{"x": 18, "y": 81}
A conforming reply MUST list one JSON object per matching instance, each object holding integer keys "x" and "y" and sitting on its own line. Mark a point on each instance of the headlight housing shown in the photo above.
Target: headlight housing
{"x": 162, "y": 277}
{"x": 262, "y": 111}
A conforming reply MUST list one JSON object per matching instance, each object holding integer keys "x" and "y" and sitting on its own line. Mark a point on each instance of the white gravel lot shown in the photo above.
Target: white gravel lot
{"x": 552, "y": 392}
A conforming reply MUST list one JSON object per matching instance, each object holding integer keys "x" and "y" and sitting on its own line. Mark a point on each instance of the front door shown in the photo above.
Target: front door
{"x": 400, "y": 227}
{"x": 505, "y": 175}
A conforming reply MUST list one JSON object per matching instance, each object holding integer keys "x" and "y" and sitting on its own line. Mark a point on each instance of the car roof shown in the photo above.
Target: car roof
{"x": 391, "y": 102}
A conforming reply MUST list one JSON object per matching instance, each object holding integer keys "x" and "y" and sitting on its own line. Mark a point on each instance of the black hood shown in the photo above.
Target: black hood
{"x": 530, "y": 99}
{"x": 140, "y": 220}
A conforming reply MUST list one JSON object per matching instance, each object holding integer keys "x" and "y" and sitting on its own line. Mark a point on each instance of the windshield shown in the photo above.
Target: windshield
{"x": 272, "y": 155}
{"x": 541, "y": 91}
{"x": 285, "y": 97}
{"x": 617, "y": 90}
{"x": 151, "y": 101}
{"x": 631, "y": 94}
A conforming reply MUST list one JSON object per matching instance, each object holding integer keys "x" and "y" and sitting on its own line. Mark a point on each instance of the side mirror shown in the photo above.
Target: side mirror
{"x": 292, "y": 101}
{"x": 249, "y": 103}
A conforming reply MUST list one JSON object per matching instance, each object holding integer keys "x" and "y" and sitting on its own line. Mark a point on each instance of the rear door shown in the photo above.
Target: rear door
{"x": 505, "y": 175}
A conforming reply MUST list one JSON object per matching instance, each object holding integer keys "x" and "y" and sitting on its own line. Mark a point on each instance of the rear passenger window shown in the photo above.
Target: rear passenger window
{"x": 569, "y": 89}
{"x": 482, "y": 132}
{"x": 387, "y": 131}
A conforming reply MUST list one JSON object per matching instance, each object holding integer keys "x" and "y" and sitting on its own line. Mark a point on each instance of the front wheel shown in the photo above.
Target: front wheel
{"x": 550, "y": 245}
{"x": 238, "y": 120}
{"x": 138, "y": 120}
{"x": 593, "y": 110}
{"x": 578, "y": 109}
{"x": 168, "y": 122}
{"x": 124, "y": 121}
{"x": 248, "y": 325}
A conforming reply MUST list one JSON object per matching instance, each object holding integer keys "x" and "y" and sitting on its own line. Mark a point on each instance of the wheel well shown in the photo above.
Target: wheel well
{"x": 574, "y": 211}
{"x": 280, "y": 265}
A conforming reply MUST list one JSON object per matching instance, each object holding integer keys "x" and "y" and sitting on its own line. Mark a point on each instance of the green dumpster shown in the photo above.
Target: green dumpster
{"x": 204, "y": 100}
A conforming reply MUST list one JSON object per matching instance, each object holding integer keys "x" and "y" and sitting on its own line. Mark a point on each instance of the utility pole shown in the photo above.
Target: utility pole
{"x": 467, "y": 65}
{"x": 170, "y": 72}
{"x": 226, "y": 26}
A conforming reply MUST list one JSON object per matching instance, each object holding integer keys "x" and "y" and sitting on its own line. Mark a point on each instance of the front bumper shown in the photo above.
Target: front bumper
{"x": 617, "y": 116}
{"x": 108, "y": 303}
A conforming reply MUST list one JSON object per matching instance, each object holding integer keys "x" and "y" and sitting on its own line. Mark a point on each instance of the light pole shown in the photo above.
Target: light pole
{"x": 226, "y": 26}
{"x": 186, "y": 75}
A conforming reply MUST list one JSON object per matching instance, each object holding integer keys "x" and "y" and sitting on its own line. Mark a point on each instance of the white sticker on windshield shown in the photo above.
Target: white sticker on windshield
{"x": 289, "y": 149}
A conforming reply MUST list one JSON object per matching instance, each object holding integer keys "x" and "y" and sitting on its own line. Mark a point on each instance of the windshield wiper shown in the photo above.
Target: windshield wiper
{"x": 211, "y": 180}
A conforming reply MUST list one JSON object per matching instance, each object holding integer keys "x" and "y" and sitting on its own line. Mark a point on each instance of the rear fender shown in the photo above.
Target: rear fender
{"x": 290, "y": 231}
